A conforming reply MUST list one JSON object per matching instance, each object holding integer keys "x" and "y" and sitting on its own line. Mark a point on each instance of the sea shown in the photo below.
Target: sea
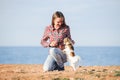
{"x": 90, "y": 56}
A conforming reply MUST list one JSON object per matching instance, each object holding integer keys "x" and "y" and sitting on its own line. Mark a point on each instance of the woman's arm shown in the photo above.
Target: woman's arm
{"x": 44, "y": 40}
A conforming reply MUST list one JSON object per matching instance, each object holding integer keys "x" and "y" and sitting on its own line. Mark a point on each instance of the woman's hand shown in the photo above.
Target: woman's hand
{"x": 53, "y": 44}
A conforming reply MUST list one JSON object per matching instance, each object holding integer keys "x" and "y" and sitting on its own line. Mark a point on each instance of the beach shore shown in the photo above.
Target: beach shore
{"x": 35, "y": 72}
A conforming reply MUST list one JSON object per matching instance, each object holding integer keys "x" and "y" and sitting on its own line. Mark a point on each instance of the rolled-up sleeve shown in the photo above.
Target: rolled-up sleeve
{"x": 44, "y": 41}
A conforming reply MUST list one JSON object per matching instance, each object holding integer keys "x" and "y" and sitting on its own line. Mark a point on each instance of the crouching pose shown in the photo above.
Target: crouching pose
{"x": 54, "y": 39}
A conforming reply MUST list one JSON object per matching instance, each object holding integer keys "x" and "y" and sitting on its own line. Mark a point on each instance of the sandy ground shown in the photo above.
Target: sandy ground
{"x": 35, "y": 72}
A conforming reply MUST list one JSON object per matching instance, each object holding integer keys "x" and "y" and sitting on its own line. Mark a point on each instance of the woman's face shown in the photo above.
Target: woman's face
{"x": 58, "y": 22}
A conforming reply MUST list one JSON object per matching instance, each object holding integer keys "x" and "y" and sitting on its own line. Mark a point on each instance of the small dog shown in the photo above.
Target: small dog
{"x": 69, "y": 51}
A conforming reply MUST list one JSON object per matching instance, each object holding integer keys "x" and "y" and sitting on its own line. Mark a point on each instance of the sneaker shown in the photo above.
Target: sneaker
{"x": 60, "y": 69}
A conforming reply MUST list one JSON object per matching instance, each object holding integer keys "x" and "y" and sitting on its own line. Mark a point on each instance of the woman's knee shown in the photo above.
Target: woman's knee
{"x": 48, "y": 65}
{"x": 46, "y": 68}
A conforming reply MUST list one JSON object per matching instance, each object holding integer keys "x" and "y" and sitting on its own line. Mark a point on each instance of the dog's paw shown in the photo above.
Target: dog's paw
{"x": 64, "y": 52}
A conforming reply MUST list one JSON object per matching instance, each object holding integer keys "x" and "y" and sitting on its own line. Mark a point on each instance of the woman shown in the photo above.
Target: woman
{"x": 53, "y": 37}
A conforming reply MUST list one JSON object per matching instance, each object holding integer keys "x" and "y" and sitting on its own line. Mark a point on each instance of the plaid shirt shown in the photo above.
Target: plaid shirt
{"x": 52, "y": 34}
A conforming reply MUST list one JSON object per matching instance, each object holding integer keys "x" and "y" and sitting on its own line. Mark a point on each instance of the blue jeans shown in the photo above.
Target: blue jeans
{"x": 54, "y": 59}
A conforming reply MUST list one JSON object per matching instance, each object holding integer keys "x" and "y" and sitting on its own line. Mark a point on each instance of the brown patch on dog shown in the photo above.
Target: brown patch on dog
{"x": 71, "y": 46}
{"x": 72, "y": 54}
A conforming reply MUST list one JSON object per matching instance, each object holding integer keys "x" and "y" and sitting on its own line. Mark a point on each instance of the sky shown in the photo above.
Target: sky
{"x": 92, "y": 22}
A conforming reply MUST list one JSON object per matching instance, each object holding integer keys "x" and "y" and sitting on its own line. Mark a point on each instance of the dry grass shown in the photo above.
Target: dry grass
{"x": 35, "y": 72}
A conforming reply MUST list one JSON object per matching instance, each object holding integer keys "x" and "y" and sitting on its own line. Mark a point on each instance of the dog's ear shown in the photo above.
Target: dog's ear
{"x": 71, "y": 47}
{"x": 65, "y": 40}
{"x": 69, "y": 41}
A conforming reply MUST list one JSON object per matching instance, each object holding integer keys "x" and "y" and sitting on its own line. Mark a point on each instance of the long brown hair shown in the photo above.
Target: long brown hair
{"x": 58, "y": 14}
